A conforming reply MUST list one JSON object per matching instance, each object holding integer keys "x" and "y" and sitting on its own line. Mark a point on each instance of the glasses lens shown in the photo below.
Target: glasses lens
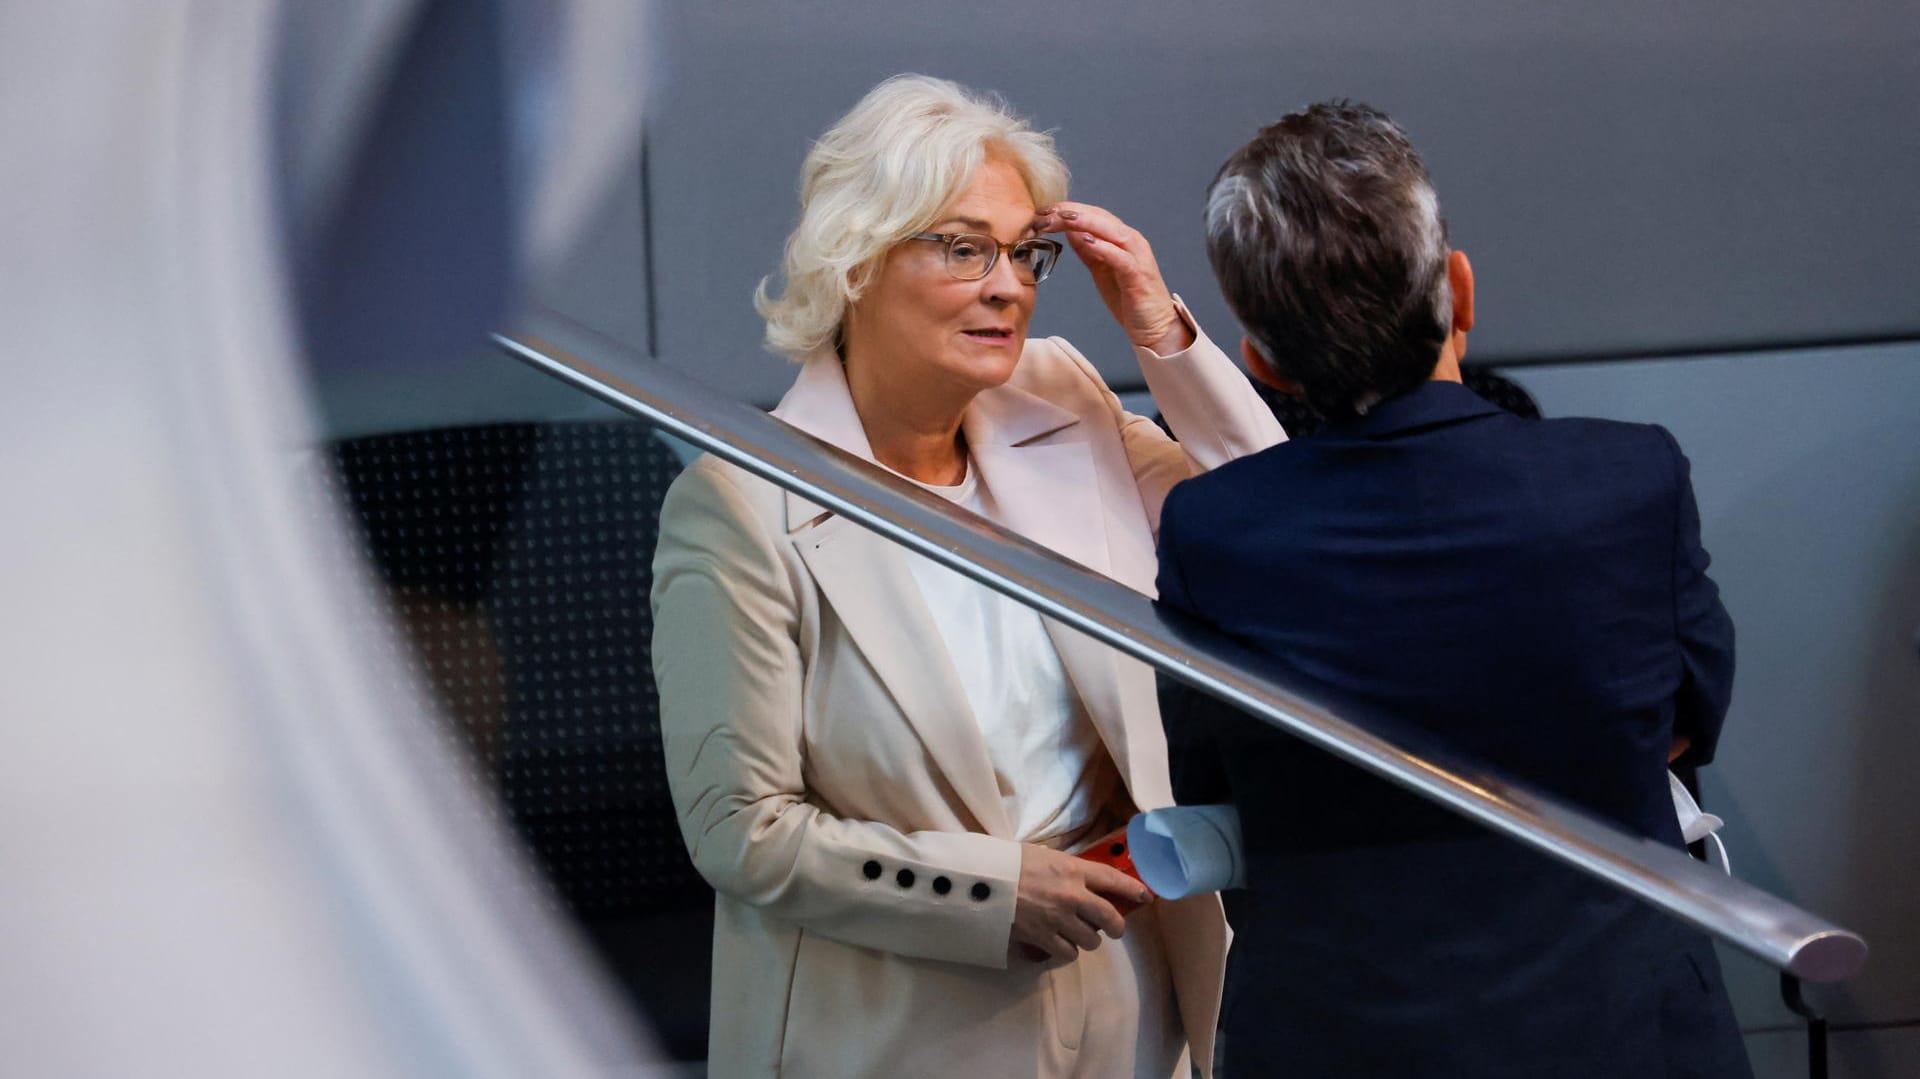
{"x": 970, "y": 256}
{"x": 1034, "y": 259}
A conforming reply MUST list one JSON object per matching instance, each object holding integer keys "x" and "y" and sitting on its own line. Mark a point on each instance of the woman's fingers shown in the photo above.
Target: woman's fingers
{"x": 1095, "y": 252}
{"x": 1088, "y": 908}
{"x": 1060, "y": 947}
{"x": 1080, "y": 934}
{"x": 1108, "y": 881}
{"x": 1066, "y": 903}
{"x": 1105, "y": 887}
{"x": 1072, "y": 933}
{"x": 1085, "y": 218}
{"x": 1121, "y": 262}
{"x": 1096, "y": 913}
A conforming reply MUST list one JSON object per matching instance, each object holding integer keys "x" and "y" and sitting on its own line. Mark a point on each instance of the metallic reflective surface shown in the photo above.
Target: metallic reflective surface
{"x": 1768, "y": 927}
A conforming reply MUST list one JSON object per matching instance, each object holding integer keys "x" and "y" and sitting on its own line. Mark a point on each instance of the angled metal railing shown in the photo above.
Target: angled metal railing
{"x": 1794, "y": 940}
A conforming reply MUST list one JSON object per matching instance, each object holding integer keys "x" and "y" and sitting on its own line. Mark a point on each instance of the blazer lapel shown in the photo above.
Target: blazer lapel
{"x": 870, "y": 586}
{"x": 1035, "y": 461}
{"x": 820, "y": 404}
{"x": 1038, "y": 467}
{"x": 867, "y": 582}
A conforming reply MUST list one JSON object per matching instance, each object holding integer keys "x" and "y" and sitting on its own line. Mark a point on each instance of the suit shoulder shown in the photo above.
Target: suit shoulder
{"x": 1052, "y": 368}
{"x": 1255, "y": 468}
{"x": 1592, "y": 427}
{"x": 708, "y": 476}
{"x": 1237, "y": 481}
{"x": 1609, "y": 437}
{"x": 710, "y": 489}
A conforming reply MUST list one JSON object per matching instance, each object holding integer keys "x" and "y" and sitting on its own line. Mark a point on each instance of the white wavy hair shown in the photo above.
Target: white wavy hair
{"x": 879, "y": 175}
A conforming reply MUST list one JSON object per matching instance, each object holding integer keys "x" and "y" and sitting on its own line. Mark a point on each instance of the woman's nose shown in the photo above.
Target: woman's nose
{"x": 1002, "y": 284}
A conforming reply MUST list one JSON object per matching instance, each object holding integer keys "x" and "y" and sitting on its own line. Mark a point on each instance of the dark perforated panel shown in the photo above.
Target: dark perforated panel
{"x": 516, "y": 557}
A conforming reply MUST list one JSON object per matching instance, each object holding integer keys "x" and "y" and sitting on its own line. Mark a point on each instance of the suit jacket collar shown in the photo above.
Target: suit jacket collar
{"x": 1430, "y": 404}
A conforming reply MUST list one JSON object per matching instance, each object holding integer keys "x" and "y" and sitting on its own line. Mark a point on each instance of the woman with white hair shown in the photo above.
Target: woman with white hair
{"x": 884, "y": 769}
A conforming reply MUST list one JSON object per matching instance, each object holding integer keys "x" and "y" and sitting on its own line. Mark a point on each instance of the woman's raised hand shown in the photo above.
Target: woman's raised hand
{"x": 1064, "y": 902}
{"x": 1124, "y": 271}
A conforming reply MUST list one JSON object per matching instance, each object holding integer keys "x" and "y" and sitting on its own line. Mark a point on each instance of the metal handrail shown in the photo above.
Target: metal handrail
{"x": 1779, "y": 933}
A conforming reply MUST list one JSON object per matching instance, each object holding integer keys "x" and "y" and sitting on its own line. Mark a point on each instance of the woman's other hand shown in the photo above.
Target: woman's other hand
{"x": 1064, "y": 906}
{"x": 1124, "y": 271}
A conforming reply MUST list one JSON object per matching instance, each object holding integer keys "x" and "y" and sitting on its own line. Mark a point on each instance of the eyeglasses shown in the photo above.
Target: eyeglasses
{"x": 970, "y": 256}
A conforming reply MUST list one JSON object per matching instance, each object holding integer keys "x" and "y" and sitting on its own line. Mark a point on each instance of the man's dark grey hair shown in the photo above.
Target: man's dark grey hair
{"x": 1327, "y": 239}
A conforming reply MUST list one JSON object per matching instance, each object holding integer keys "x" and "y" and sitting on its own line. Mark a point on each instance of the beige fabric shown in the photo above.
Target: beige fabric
{"x": 814, "y": 724}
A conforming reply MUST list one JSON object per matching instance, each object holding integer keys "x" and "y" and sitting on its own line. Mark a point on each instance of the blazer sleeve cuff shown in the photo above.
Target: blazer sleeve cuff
{"x": 1207, "y": 400}
{"x": 968, "y": 889}
{"x": 1200, "y": 339}
{"x": 938, "y": 895}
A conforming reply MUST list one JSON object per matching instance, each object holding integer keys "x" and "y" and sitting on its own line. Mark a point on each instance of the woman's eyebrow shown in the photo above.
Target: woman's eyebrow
{"x": 970, "y": 222}
{"x": 982, "y": 227}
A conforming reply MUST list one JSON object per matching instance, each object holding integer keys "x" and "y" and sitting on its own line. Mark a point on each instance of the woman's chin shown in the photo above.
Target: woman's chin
{"x": 991, "y": 376}
{"x": 988, "y": 365}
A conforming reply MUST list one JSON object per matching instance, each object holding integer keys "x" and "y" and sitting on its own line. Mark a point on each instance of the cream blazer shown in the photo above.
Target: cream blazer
{"x": 830, "y": 780}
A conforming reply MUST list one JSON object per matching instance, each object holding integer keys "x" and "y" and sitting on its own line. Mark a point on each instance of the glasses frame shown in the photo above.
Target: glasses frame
{"x": 950, "y": 238}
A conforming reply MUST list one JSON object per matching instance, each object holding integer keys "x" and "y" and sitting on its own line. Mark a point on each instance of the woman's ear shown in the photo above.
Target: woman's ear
{"x": 1263, "y": 370}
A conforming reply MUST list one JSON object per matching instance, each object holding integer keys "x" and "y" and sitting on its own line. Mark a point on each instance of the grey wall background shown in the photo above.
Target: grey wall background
{"x": 1636, "y": 181}
{"x": 1630, "y": 176}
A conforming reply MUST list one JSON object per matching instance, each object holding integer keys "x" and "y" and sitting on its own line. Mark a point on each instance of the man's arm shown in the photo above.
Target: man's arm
{"x": 1702, "y": 626}
{"x": 1193, "y": 754}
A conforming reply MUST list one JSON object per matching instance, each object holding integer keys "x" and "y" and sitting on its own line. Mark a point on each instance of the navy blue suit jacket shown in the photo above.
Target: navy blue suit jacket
{"x": 1531, "y": 594}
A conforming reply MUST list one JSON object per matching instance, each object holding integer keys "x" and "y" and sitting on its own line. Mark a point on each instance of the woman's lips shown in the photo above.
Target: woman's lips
{"x": 990, "y": 336}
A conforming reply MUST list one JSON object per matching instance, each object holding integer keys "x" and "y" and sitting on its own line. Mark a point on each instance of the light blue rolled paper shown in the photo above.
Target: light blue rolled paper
{"x": 1188, "y": 850}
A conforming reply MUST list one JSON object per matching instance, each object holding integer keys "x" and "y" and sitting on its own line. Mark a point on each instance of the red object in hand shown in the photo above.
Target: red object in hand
{"x": 1111, "y": 850}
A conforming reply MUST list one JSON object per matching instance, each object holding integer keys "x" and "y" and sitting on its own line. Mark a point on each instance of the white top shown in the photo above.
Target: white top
{"x": 1046, "y": 753}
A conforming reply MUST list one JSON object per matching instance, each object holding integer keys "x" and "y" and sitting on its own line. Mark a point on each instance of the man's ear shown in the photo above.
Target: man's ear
{"x": 1460, "y": 281}
{"x": 1263, "y": 370}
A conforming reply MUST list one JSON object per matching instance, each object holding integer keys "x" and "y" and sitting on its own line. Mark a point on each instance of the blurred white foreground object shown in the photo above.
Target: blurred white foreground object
{"x": 227, "y": 851}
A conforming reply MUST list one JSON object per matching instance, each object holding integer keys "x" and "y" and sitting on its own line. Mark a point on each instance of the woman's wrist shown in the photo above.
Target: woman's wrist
{"x": 1178, "y": 336}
